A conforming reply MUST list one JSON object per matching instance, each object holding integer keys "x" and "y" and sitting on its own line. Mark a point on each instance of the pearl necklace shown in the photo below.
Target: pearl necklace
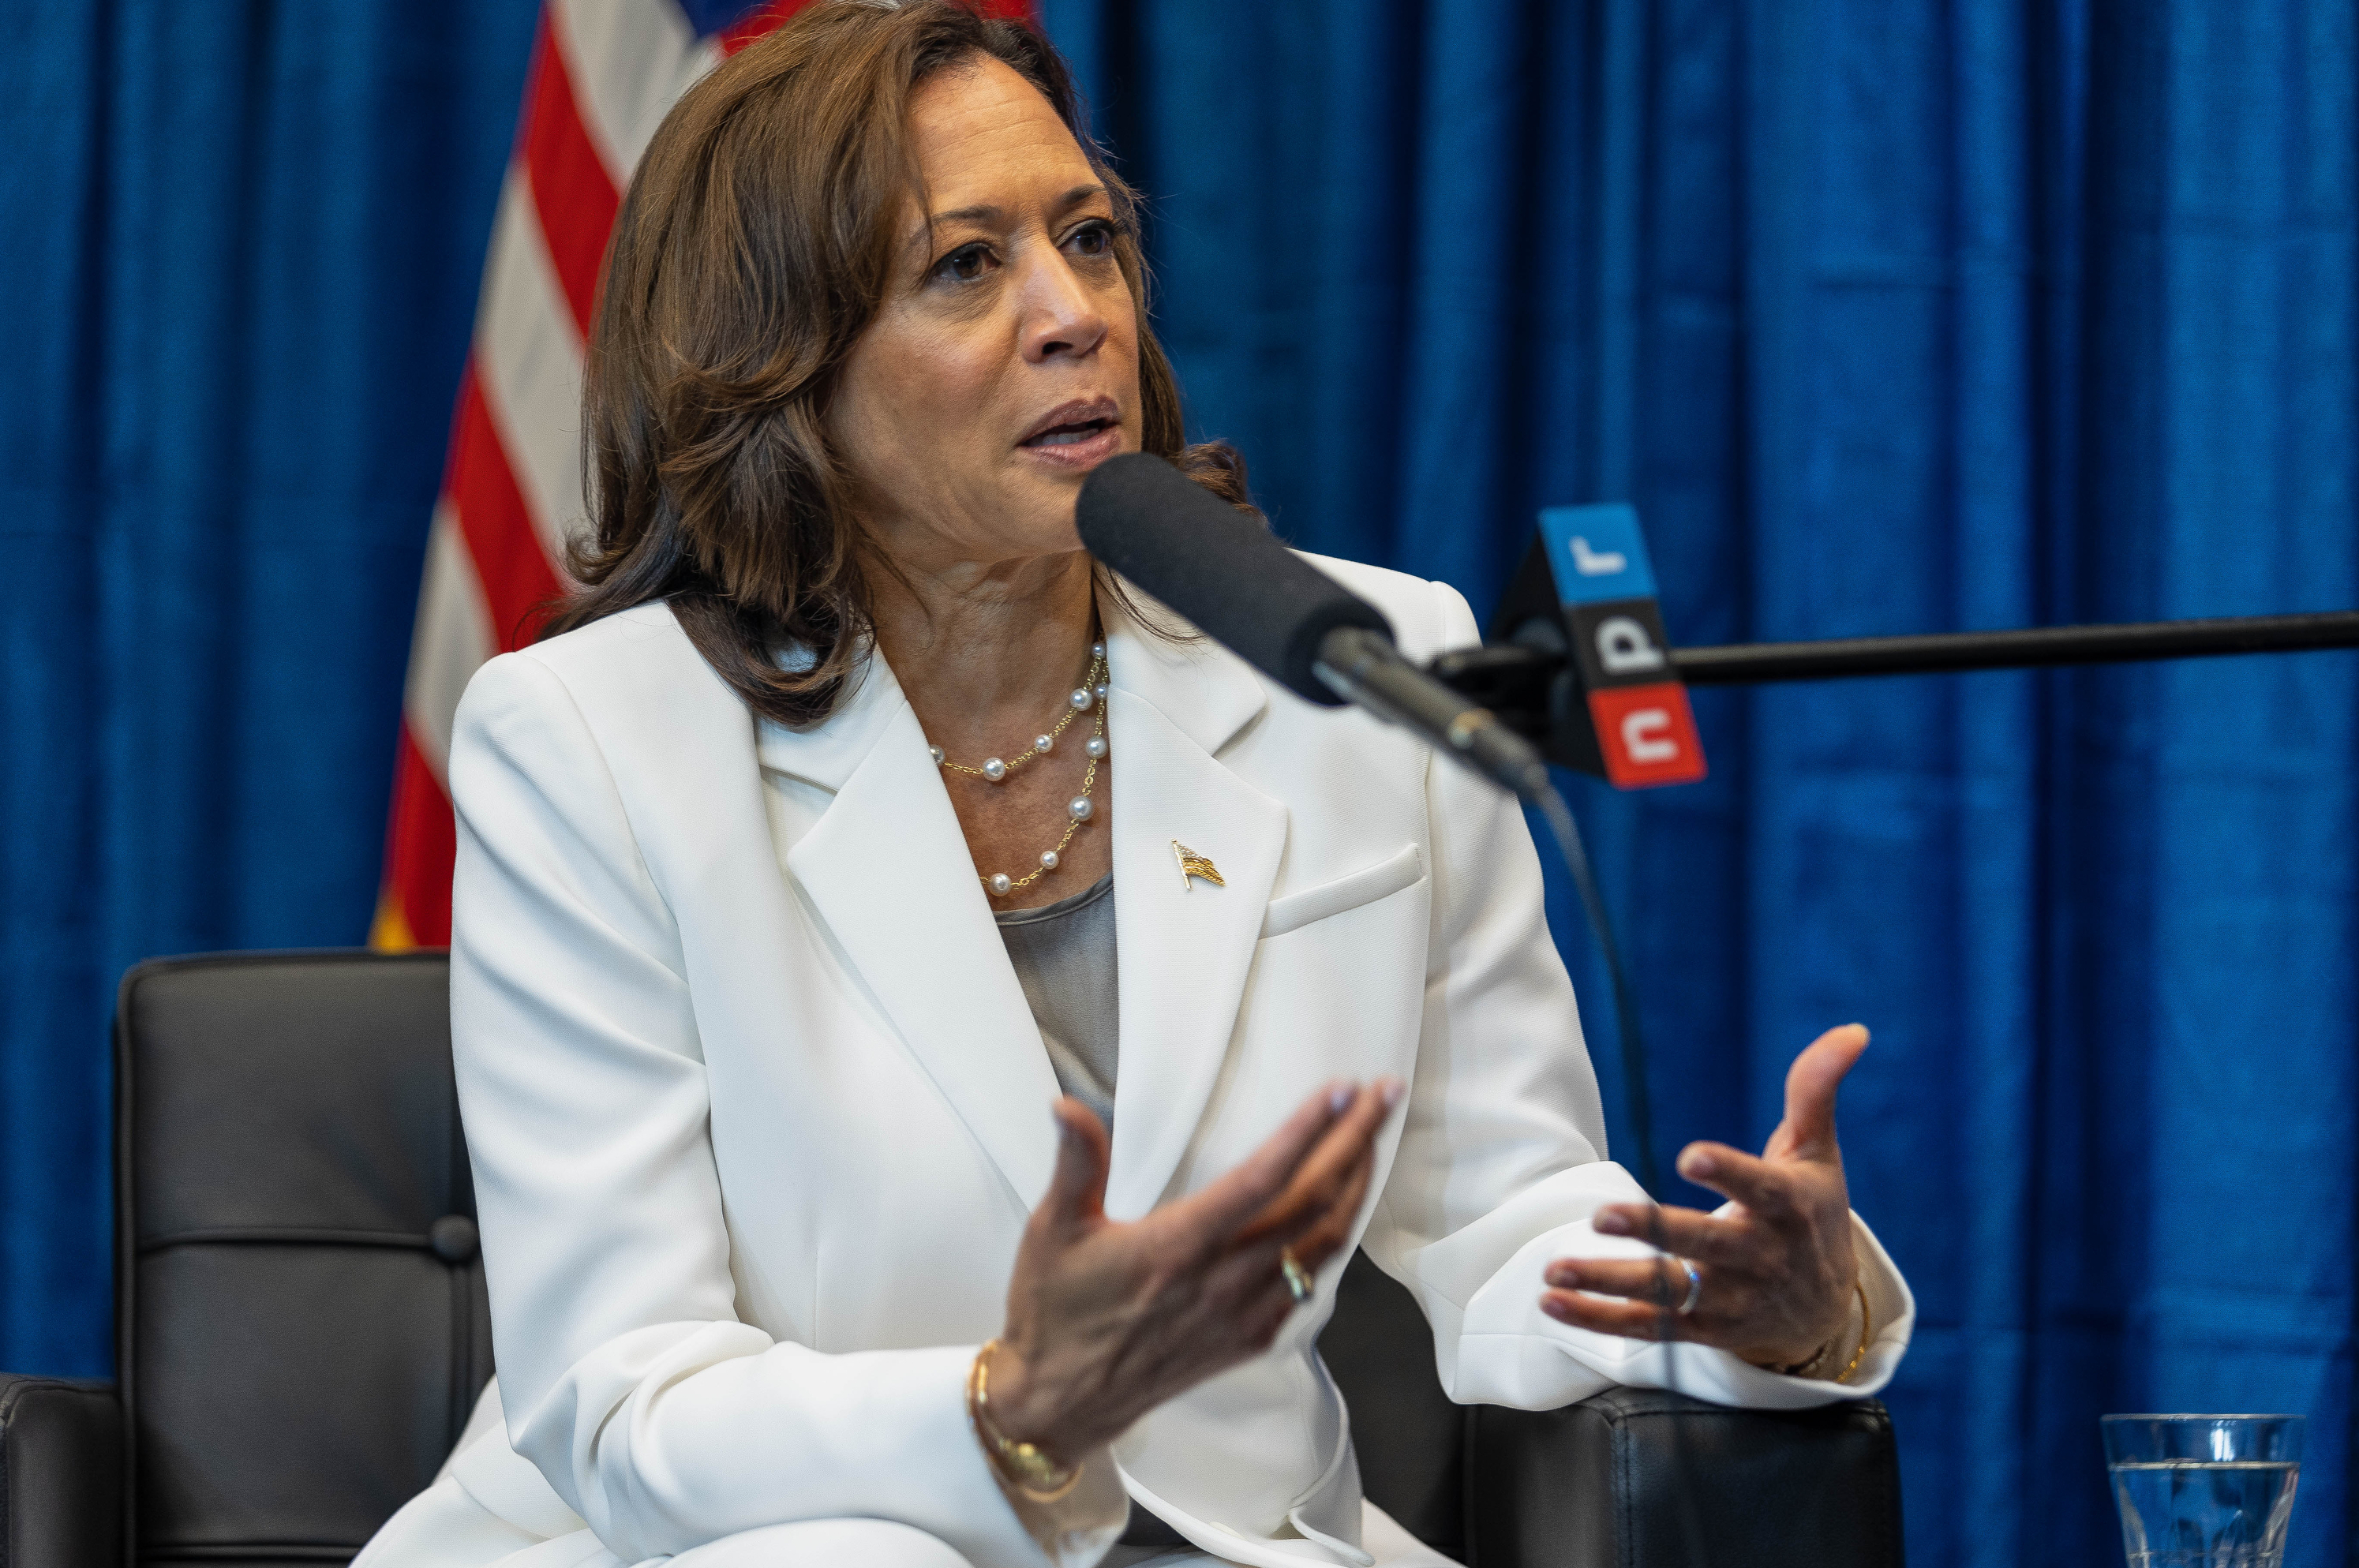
{"x": 1088, "y": 696}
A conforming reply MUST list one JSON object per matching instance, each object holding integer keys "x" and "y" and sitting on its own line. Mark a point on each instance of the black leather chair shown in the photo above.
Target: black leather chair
{"x": 302, "y": 1329}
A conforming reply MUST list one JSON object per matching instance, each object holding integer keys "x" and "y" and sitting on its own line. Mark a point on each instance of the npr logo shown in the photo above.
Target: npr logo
{"x": 1645, "y": 732}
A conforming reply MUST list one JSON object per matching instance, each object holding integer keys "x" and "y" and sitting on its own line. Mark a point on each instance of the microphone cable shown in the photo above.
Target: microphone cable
{"x": 1575, "y": 854}
{"x": 1634, "y": 1098}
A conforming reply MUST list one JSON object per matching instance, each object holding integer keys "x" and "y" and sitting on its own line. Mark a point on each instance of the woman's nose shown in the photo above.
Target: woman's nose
{"x": 1060, "y": 312}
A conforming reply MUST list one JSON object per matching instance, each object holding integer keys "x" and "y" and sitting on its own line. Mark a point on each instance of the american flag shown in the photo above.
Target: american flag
{"x": 603, "y": 74}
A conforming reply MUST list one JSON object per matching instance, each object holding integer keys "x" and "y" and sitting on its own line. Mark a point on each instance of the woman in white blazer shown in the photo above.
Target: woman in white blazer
{"x": 798, "y": 1252}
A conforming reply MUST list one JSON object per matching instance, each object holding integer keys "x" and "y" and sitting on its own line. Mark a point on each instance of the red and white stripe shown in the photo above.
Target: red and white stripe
{"x": 603, "y": 74}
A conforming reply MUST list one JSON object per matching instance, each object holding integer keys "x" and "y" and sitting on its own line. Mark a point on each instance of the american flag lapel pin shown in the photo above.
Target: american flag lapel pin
{"x": 1192, "y": 864}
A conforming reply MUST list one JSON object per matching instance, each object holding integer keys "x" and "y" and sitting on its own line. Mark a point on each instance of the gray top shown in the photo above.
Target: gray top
{"x": 1064, "y": 956}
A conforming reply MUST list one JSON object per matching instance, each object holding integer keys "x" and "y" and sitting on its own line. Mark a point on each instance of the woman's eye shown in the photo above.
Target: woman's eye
{"x": 964, "y": 264}
{"x": 1093, "y": 238}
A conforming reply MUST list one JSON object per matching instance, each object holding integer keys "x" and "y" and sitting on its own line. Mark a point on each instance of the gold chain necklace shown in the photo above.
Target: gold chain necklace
{"x": 1089, "y": 696}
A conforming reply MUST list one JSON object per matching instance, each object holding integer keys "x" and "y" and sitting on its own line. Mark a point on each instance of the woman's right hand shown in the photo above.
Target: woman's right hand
{"x": 1107, "y": 1321}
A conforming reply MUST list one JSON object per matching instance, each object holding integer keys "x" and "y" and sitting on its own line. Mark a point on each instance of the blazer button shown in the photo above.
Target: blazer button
{"x": 452, "y": 1238}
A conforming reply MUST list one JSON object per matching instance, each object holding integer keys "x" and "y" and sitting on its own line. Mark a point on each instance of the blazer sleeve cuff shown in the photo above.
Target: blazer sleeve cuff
{"x": 1511, "y": 1353}
{"x": 678, "y": 1436}
{"x": 1081, "y": 1527}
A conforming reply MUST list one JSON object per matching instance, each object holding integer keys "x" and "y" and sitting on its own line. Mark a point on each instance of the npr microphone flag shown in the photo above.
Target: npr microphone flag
{"x": 1587, "y": 579}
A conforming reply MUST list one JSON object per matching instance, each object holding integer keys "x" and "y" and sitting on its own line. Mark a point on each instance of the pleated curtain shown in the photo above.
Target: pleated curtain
{"x": 1888, "y": 315}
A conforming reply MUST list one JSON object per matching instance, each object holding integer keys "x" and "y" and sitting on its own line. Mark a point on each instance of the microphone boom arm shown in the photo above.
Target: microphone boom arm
{"x": 1527, "y": 683}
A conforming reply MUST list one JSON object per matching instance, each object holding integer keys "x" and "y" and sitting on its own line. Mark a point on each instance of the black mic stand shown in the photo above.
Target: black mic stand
{"x": 1523, "y": 682}
{"x": 1532, "y": 685}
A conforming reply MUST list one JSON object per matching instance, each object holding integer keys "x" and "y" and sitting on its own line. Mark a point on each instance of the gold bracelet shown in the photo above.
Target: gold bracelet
{"x": 1866, "y": 1332}
{"x": 1810, "y": 1367}
{"x": 1040, "y": 1478}
{"x": 1809, "y": 1364}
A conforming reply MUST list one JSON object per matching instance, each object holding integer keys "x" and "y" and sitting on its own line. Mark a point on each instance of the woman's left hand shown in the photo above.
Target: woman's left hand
{"x": 1773, "y": 1277}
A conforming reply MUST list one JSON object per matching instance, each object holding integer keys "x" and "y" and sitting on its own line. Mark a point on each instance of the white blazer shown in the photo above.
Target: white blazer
{"x": 757, "y": 1109}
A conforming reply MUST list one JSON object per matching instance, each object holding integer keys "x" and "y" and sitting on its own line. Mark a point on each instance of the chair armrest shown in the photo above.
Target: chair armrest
{"x": 1638, "y": 1475}
{"x": 60, "y": 1473}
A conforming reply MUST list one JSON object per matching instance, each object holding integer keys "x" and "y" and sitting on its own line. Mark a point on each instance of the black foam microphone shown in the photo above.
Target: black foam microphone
{"x": 1237, "y": 584}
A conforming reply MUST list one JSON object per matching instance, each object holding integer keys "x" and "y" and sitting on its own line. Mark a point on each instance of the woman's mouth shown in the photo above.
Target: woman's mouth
{"x": 1078, "y": 436}
{"x": 1069, "y": 435}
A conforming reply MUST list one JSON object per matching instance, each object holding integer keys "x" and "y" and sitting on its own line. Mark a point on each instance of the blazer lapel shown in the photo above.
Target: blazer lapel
{"x": 891, "y": 876}
{"x": 1186, "y": 945}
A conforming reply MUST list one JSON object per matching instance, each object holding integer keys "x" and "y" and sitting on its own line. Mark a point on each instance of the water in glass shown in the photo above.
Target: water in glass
{"x": 2189, "y": 1513}
{"x": 2204, "y": 1491}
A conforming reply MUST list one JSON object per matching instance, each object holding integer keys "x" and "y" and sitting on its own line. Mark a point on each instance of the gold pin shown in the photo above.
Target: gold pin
{"x": 1194, "y": 864}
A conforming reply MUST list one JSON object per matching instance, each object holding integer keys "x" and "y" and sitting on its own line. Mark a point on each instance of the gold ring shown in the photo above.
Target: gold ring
{"x": 1298, "y": 1278}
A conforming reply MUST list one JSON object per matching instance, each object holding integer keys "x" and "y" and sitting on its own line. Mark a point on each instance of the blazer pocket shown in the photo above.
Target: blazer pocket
{"x": 1381, "y": 880}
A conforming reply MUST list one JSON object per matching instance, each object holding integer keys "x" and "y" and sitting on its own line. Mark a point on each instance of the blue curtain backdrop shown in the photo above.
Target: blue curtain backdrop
{"x": 239, "y": 249}
{"x": 1891, "y": 315}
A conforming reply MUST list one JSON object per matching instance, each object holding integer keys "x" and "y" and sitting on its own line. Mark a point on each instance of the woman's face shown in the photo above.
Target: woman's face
{"x": 1004, "y": 364}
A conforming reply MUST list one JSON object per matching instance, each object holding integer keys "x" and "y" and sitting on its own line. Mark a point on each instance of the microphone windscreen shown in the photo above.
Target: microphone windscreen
{"x": 1219, "y": 568}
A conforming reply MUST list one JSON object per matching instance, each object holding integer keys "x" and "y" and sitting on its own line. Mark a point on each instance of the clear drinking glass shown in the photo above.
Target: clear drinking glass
{"x": 2203, "y": 1491}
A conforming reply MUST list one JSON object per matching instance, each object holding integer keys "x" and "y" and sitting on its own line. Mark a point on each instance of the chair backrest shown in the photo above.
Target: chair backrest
{"x": 301, "y": 1326}
{"x": 1412, "y": 1440}
{"x": 301, "y": 1317}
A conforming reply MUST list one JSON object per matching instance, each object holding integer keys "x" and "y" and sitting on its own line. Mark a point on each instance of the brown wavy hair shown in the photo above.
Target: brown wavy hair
{"x": 754, "y": 247}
